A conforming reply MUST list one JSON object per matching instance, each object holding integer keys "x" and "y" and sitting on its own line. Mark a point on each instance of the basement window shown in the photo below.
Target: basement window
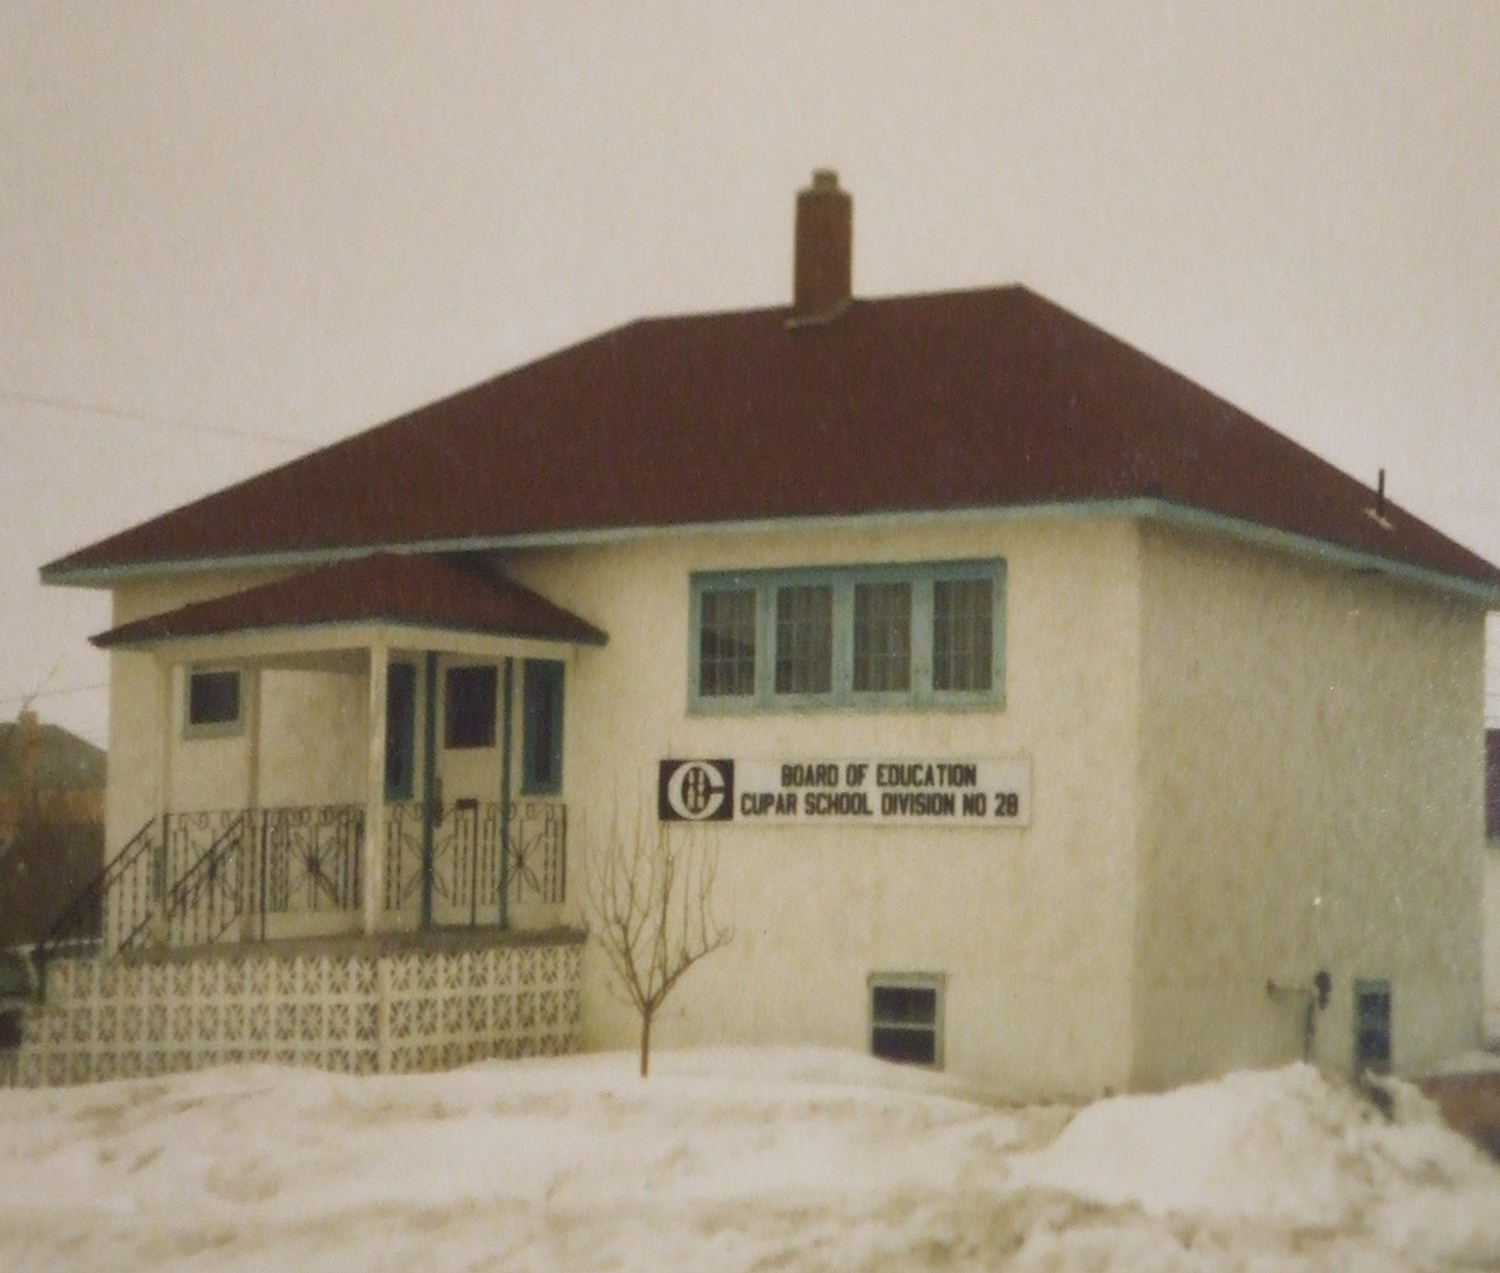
{"x": 1372, "y": 1026}
{"x": 906, "y": 1018}
{"x": 215, "y": 703}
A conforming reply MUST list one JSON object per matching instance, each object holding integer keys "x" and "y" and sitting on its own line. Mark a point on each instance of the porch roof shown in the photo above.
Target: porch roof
{"x": 422, "y": 590}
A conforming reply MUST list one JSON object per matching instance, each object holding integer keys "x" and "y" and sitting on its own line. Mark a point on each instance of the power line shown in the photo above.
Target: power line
{"x": 136, "y": 417}
{"x": 57, "y": 693}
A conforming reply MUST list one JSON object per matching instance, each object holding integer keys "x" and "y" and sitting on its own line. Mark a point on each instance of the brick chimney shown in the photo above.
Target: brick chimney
{"x": 823, "y": 270}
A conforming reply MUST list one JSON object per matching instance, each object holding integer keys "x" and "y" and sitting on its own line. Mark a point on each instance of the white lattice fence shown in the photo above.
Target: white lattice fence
{"x": 362, "y": 1012}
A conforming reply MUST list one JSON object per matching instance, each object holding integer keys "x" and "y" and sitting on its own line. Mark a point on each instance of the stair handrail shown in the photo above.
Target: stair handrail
{"x": 90, "y": 895}
{"x": 182, "y": 894}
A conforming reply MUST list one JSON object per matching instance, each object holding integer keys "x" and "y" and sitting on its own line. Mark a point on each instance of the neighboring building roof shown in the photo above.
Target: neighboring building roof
{"x": 63, "y": 761}
{"x": 963, "y": 400}
{"x": 433, "y": 592}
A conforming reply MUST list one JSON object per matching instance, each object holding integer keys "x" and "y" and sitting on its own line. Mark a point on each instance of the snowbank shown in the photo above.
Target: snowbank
{"x": 725, "y": 1159}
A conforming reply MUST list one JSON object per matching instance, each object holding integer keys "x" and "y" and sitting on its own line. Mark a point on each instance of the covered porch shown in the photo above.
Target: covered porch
{"x": 373, "y": 746}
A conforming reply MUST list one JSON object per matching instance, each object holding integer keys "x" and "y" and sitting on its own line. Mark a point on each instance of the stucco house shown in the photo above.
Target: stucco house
{"x": 1053, "y": 721}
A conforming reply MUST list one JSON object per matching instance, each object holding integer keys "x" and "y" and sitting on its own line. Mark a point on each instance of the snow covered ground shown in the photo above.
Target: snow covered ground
{"x": 727, "y": 1160}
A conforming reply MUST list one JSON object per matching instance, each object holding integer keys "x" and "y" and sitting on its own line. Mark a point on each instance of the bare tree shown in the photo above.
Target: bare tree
{"x": 650, "y": 900}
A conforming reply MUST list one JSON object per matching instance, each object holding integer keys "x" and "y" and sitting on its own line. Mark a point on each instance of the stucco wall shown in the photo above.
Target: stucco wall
{"x": 1032, "y": 927}
{"x": 1310, "y": 787}
{"x": 312, "y": 725}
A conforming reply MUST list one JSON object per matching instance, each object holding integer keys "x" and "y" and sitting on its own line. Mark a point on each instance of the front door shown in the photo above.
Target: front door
{"x": 467, "y": 773}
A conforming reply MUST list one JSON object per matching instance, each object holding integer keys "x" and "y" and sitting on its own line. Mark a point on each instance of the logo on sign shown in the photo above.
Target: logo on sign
{"x": 695, "y": 791}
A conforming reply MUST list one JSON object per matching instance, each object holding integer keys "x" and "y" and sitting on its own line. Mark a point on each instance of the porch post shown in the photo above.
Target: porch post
{"x": 373, "y": 872}
{"x": 164, "y": 669}
{"x": 252, "y": 723}
{"x": 166, "y": 674}
{"x": 504, "y": 916}
{"x": 253, "y": 873}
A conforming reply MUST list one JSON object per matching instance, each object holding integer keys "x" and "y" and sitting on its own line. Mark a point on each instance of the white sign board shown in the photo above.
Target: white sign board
{"x": 908, "y": 791}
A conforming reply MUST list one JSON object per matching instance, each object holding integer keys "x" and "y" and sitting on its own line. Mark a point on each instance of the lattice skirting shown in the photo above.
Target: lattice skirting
{"x": 360, "y": 1013}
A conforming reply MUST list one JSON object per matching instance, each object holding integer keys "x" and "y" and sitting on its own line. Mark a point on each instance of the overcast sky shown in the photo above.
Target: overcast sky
{"x": 230, "y": 233}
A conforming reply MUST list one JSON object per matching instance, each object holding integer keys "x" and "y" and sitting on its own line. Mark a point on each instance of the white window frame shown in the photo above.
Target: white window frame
{"x": 213, "y": 729}
{"x": 937, "y": 982}
{"x": 842, "y": 695}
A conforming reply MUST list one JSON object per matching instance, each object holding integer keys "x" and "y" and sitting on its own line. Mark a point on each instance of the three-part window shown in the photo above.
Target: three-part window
{"x": 929, "y": 634}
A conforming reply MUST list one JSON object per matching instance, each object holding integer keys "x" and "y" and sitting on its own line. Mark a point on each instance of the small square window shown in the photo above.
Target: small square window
{"x": 1372, "y": 1026}
{"x": 726, "y": 643}
{"x": 906, "y": 1018}
{"x": 213, "y": 702}
{"x": 469, "y": 709}
{"x": 804, "y": 639}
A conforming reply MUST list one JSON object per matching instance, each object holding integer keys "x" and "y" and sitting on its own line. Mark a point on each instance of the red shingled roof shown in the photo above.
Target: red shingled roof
{"x": 430, "y": 592}
{"x": 973, "y": 399}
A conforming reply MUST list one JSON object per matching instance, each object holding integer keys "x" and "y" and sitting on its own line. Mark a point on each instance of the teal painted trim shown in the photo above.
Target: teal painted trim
{"x": 1306, "y": 546}
{"x": 843, "y": 580}
{"x": 1142, "y": 507}
{"x": 506, "y": 711}
{"x": 429, "y": 781}
{"x": 395, "y": 623}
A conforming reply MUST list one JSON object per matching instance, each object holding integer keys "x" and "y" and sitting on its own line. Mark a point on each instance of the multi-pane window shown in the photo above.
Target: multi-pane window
{"x": 726, "y": 643}
{"x": 804, "y": 639}
{"x": 906, "y": 1022}
{"x": 882, "y": 637}
{"x": 925, "y": 634}
{"x": 962, "y": 633}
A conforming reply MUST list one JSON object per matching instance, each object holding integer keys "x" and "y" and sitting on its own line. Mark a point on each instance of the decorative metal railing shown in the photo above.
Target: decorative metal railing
{"x": 205, "y": 900}
{"x": 192, "y": 878}
{"x": 308, "y": 859}
{"x": 471, "y": 857}
{"x": 124, "y": 882}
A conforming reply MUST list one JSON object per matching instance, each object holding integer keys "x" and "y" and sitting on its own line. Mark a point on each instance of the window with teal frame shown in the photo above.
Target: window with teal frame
{"x": 400, "y": 730}
{"x": 923, "y": 635}
{"x": 541, "y": 728}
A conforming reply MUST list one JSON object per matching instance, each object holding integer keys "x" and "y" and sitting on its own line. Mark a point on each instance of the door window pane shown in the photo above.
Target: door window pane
{"x": 882, "y": 636}
{"x": 804, "y": 639}
{"x": 469, "y": 715}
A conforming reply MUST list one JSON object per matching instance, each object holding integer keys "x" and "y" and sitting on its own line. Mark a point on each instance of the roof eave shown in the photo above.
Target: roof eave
{"x": 150, "y": 641}
{"x": 1148, "y": 507}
